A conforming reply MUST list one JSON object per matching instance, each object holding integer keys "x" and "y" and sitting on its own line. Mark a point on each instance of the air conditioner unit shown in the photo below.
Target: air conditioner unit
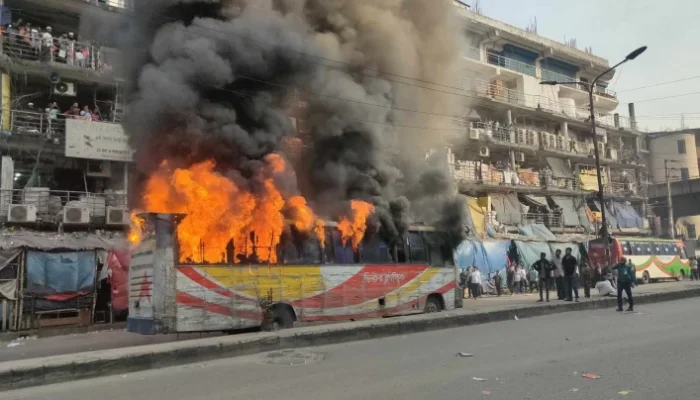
{"x": 64, "y": 89}
{"x": 484, "y": 151}
{"x": 21, "y": 213}
{"x": 519, "y": 156}
{"x": 474, "y": 133}
{"x": 76, "y": 216}
{"x": 117, "y": 216}
{"x": 99, "y": 169}
{"x": 612, "y": 154}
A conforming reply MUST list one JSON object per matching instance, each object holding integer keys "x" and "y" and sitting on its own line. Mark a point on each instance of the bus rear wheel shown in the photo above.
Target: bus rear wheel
{"x": 432, "y": 304}
{"x": 282, "y": 318}
{"x": 645, "y": 278}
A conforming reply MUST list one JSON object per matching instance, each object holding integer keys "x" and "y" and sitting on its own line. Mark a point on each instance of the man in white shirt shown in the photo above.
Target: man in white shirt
{"x": 605, "y": 288}
{"x": 517, "y": 280}
{"x": 46, "y": 43}
{"x": 558, "y": 275}
{"x": 476, "y": 283}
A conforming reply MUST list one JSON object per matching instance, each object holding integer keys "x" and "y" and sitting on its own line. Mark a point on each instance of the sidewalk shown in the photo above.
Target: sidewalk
{"x": 22, "y": 373}
{"x": 115, "y": 339}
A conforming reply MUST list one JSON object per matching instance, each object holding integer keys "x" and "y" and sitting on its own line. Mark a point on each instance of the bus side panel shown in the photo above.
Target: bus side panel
{"x": 660, "y": 267}
{"x": 141, "y": 293}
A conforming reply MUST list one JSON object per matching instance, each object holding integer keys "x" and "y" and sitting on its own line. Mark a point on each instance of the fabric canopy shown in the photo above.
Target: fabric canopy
{"x": 560, "y": 168}
{"x": 478, "y": 217}
{"x": 530, "y": 251}
{"x": 563, "y": 246}
{"x": 581, "y": 209}
{"x": 118, "y": 263}
{"x": 540, "y": 201}
{"x": 537, "y": 231}
{"x": 569, "y": 214}
{"x": 51, "y": 273}
{"x": 507, "y": 209}
{"x": 627, "y": 216}
{"x": 611, "y": 218}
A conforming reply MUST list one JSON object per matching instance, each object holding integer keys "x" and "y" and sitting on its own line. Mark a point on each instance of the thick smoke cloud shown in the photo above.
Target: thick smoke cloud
{"x": 216, "y": 80}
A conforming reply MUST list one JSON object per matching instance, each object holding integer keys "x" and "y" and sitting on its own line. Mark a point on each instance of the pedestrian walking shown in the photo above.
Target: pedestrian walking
{"x": 463, "y": 282}
{"x": 469, "y": 282}
{"x": 570, "y": 265}
{"x": 544, "y": 270}
{"x": 517, "y": 277}
{"x": 498, "y": 282}
{"x": 510, "y": 274}
{"x": 625, "y": 275}
{"x": 558, "y": 275}
{"x": 693, "y": 262}
{"x": 475, "y": 282}
{"x": 586, "y": 279}
{"x": 523, "y": 278}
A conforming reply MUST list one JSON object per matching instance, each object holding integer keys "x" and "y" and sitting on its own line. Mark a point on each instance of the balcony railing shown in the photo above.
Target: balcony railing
{"x": 31, "y": 47}
{"x": 50, "y": 205}
{"x": 550, "y": 220}
{"x": 31, "y": 123}
{"x": 511, "y": 64}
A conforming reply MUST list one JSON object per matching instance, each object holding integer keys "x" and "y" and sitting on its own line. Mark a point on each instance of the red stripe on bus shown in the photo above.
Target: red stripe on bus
{"x": 188, "y": 300}
{"x": 207, "y": 283}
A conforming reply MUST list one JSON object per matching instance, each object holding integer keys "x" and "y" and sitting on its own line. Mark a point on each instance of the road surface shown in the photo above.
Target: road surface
{"x": 68, "y": 344}
{"x": 651, "y": 354}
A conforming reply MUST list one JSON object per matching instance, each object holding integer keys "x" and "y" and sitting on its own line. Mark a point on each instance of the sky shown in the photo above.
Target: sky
{"x": 613, "y": 28}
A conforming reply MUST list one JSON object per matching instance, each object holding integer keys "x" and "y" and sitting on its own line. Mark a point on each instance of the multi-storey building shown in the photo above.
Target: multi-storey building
{"x": 528, "y": 155}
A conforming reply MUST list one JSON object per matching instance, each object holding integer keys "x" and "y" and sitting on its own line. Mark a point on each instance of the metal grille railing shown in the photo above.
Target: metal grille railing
{"x": 32, "y": 47}
{"x": 30, "y": 123}
{"x": 511, "y": 64}
{"x": 50, "y": 205}
{"x": 550, "y": 220}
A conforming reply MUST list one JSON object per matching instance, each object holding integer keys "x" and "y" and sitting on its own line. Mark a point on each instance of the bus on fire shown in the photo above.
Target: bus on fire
{"x": 313, "y": 279}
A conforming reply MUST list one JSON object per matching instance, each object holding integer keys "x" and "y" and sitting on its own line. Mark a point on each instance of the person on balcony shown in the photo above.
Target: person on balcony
{"x": 47, "y": 44}
{"x": 52, "y": 111}
{"x": 73, "y": 111}
{"x": 86, "y": 113}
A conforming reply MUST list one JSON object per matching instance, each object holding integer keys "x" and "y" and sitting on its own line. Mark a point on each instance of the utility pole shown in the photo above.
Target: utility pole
{"x": 671, "y": 225}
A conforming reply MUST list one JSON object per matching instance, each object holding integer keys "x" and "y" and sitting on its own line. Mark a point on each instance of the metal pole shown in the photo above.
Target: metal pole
{"x": 671, "y": 226}
{"x": 601, "y": 197}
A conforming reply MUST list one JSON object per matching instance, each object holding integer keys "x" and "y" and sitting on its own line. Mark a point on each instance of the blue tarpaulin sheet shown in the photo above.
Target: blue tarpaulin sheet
{"x": 627, "y": 216}
{"x": 609, "y": 215}
{"x": 489, "y": 256}
{"x": 530, "y": 251}
{"x": 538, "y": 231}
{"x": 49, "y": 273}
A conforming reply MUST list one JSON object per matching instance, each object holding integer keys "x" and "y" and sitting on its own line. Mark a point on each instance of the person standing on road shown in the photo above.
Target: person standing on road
{"x": 498, "y": 282}
{"x": 510, "y": 274}
{"x": 532, "y": 279}
{"x": 625, "y": 275}
{"x": 463, "y": 280}
{"x": 586, "y": 279}
{"x": 544, "y": 270}
{"x": 469, "y": 282}
{"x": 570, "y": 265}
{"x": 475, "y": 282}
{"x": 523, "y": 278}
{"x": 693, "y": 262}
{"x": 558, "y": 275}
{"x": 517, "y": 285}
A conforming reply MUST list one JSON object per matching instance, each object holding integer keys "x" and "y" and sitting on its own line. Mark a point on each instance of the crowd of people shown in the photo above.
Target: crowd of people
{"x": 26, "y": 41}
{"x": 564, "y": 274}
{"x": 74, "y": 111}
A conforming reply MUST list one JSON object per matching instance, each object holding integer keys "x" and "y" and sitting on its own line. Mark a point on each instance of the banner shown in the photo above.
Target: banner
{"x": 97, "y": 141}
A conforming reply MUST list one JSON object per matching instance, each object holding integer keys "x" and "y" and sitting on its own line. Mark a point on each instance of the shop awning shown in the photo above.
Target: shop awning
{"x": 560, "y": 168}
{"x": 507, "y": 209}
{"x": 627, "y": 216}
{"x": 569, "y": 214}
{"x": 539, "y": 201}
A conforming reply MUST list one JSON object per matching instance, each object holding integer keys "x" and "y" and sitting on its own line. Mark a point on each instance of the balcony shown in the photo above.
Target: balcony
{"x": 55, "y": 206}
{"x": 30, "y": 124}
{"x": 550, "y": 220}
{"x": 511, "y": 64}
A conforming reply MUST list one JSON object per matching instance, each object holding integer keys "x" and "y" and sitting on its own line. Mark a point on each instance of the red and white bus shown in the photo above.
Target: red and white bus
{"x": 310, "y": 281}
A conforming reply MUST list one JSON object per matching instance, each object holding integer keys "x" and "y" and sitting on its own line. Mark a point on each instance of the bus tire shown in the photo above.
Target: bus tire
{"x": 433, "y": 304}
{"x": 283, "y": 317}
{"x": 645, "y": 278}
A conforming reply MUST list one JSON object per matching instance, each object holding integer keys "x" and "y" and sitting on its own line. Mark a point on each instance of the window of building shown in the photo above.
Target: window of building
{"x": 681, "y": 146}
{"x": 684, "y": 174}
{"x": 692, "y": 234}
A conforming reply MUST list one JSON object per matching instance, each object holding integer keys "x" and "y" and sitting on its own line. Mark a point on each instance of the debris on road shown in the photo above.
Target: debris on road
{"x": 574, "y": 390}
{"x": 516, "y": 318}
{"x": 624, "y": 392}
{"x": 486, "y": 393}
{"x": 591, "y": 376}
{"x": 479, "y": 379}
{"x": 465, "y": 354}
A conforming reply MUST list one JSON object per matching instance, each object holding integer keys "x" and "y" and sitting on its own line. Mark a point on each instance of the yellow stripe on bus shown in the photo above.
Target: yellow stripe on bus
{"x": 287, "y": 283}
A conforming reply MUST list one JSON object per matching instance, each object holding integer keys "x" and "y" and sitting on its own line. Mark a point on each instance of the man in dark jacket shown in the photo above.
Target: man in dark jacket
{"x": 625, "y": 277}
{"x": 569, "y": 263}
{"x": 544, "y": 268}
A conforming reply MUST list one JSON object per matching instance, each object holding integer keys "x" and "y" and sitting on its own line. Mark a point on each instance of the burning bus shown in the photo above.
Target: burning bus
{"x": 303, "y": 277}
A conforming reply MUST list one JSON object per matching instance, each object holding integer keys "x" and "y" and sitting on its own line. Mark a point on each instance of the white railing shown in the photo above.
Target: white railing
{"x": 550, "y": 220}
{"x": 511, "y": 64}
{"x": 31, "y": 123}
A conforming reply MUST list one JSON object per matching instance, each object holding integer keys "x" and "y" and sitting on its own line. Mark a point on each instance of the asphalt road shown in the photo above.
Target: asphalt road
{"x": 68, "y": 344}
{"x": 651, "y": 354}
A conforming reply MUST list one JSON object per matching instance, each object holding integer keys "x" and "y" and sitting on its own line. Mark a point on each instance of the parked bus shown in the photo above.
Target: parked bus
{"x": 654, "y": 258}
{"x": 308, "y": 283}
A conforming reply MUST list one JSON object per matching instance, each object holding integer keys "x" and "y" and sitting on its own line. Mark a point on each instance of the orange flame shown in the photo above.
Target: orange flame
{"x": 355, "y": 229}
{"x": 319, "y": 231}
{"x": 136, "y": 228}
{"x": 301, "y": 214}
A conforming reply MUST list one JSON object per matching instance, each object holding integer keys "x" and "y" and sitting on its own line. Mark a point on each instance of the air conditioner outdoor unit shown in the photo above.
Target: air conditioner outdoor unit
{"x": 474, "y": 133}
{"x": 64, "y": 89}
{"x": 484, "y": 151}
{"x": 117, "y": 216}
{"x": 612, "y": 154}
{"x": 76, "y": 216}
{"x": 21, "y": 213}
{"x": 519, "y": 156}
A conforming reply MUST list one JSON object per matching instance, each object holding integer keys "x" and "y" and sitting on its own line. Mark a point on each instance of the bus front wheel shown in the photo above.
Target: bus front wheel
{"x": 283, "y": 317}
{"x": 645, "y": 278}
{"x": 432, "y": 304}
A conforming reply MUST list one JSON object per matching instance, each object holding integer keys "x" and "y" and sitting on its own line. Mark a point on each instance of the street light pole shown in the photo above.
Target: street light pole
{"x": 601, "y": 198}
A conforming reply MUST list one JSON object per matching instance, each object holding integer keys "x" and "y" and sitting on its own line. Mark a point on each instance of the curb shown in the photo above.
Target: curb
{"x": 58, "y": 369}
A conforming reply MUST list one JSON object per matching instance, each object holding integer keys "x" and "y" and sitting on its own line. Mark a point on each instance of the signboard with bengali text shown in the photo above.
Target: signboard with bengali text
{"x": 97, "y": 141}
